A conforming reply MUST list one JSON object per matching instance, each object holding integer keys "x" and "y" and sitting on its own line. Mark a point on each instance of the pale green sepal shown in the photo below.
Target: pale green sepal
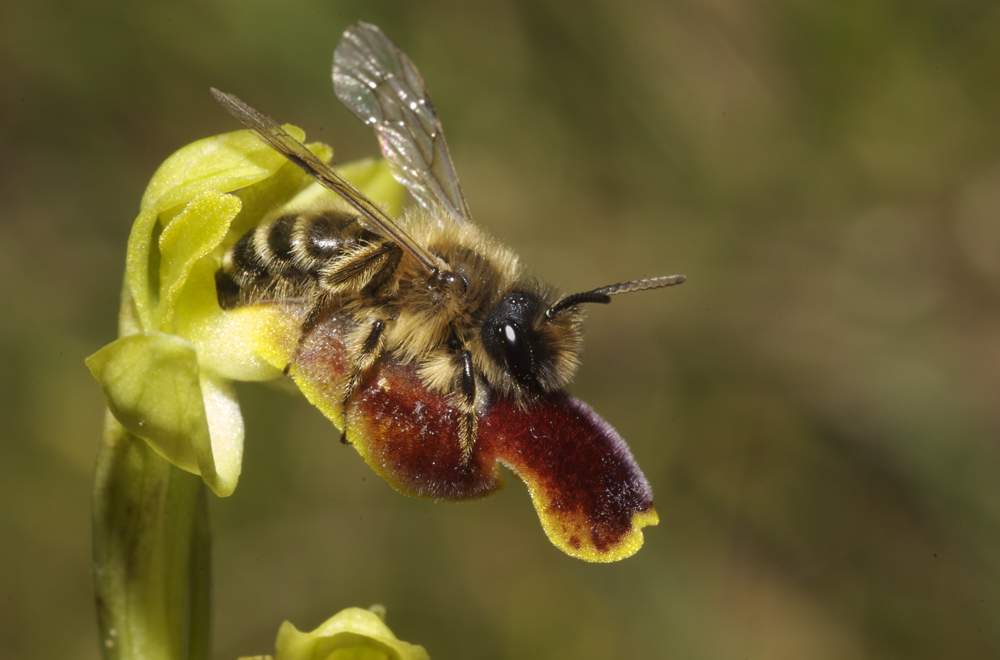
{"x": 154, "y": 387}
{"x": 224, "y": 162}
{"x": 150, "y": 382}
{"x": 352, "y": 634}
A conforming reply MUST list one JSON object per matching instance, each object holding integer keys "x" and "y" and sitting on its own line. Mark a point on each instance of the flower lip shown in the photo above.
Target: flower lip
{"x": 587, "y": 489}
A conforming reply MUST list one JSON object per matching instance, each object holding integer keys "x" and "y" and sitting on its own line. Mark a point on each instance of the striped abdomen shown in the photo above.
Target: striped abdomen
{"x": 294, "y": 256}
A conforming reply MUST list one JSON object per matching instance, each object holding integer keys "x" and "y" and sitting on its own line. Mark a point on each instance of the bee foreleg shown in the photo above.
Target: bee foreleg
{"x": 368, "y": 353}
{"x": 468, "y": 425}
{"x": 315, "y": 311}
{"x": 386, "y": 270}
{"x": 366, "y": 269}
{"x": 365, "y": 266}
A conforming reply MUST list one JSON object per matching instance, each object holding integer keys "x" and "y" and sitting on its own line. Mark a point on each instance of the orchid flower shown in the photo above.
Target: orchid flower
{"x": 168, "y": 383}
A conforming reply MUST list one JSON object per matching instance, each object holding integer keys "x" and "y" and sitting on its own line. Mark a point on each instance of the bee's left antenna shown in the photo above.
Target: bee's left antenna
{"x": 603, "y": 295}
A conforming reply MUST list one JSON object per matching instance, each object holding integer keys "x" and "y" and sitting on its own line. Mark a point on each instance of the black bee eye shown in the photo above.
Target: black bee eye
{"x": 509, "y": 339}
{"x": 515, "y": 346}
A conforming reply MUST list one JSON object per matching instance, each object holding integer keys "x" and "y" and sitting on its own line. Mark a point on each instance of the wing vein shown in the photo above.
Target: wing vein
{"x": 376, "y": 81}
{"x": 278, "y": 138}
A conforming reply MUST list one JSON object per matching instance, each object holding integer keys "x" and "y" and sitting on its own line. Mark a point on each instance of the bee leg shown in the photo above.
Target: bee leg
{"x": 366, "y": 357}
{"x": 369, "y": 268}
{"x": 307, "y": 325}
{"x": 468, "y": 425}
{"x": 366, "y": 267}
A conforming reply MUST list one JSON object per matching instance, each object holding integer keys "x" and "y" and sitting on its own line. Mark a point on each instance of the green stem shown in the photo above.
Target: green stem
{"x": 151, "y": 553}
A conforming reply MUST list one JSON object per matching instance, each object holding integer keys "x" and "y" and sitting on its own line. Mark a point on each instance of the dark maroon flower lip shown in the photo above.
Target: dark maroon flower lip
{"x": 588, "y": 490}
{"x": 590, "y": 495}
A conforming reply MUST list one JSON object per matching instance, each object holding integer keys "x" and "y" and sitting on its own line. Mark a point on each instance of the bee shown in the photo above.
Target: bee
{"x": 430, "y": 290}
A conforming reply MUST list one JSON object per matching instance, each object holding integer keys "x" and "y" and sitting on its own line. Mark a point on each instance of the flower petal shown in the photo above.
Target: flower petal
{"x": 352, "y": 634}
{"x": 219, "y": 164}
{"x": 194, "y": 233}
{"x": 150, "y": 382}
{"x": 140, "y": 286}
{"x": 221, "y": 466}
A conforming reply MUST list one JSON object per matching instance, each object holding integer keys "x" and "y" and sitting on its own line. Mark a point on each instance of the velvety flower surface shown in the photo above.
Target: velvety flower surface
{"x": 589, "y": 493}
{"x": 168, "y": 378}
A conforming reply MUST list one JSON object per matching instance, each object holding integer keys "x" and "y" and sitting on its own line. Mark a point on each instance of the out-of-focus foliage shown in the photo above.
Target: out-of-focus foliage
{"x": 816, "y": 407}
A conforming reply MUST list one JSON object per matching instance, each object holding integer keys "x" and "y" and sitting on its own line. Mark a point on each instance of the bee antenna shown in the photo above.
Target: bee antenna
{"x": 603, "y": 295}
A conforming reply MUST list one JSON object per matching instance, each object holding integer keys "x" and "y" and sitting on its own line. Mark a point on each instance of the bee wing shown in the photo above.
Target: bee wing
{"x": 278, "y": 138}
{"x": 379, "y": 84}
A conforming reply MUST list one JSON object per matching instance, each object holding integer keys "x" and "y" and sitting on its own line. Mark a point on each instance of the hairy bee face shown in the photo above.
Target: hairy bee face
{"x": 511, "y": 340}
{"x": 537, "y": 354}
{"x": 425, "y": 340}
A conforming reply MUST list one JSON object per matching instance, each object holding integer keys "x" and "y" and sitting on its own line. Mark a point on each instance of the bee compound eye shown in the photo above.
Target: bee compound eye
{"x": 510, "y": 340}
{"x": 516, "y": 347}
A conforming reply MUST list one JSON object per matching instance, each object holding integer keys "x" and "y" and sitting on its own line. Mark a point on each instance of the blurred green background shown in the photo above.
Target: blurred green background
{"x": 816, "y": 408}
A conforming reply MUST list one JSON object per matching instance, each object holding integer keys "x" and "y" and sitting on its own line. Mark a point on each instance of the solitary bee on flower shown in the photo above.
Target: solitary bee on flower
{"x": 425, "y": 340}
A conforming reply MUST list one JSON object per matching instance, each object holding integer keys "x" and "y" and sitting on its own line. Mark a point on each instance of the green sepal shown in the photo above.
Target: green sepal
{"x": 155, "y": 388}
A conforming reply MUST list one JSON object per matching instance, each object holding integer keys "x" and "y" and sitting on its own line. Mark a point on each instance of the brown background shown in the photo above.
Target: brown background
{"x": 816, "y": 408}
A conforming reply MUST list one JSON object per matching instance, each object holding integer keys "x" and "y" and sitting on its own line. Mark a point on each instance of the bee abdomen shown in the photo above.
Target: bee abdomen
{"x": 283, "y": 258}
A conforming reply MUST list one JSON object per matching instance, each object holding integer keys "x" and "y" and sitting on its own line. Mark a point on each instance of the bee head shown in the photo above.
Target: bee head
{"x": 537, "y": 345}
{"x": 539, "y": 354}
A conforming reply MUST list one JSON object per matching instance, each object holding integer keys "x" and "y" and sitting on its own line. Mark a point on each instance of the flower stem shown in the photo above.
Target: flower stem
{"x": 151, "y": 553}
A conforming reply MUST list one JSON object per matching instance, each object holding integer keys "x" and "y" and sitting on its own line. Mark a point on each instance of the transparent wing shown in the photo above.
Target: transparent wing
{"x": 379, "y": 84}
{"x": 278, "y": 138}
